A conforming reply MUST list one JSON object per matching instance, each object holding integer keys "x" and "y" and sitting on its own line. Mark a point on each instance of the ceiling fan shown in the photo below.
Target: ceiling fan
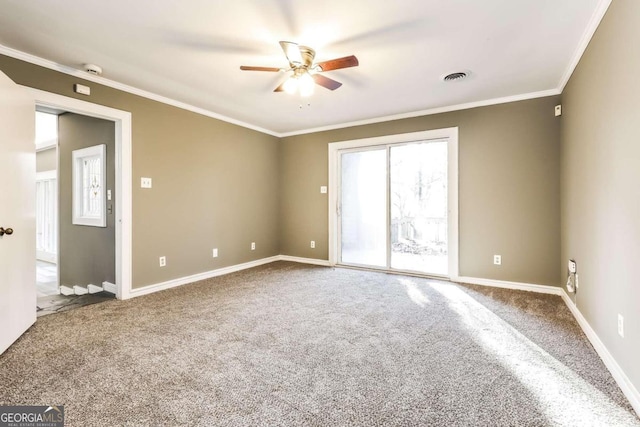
{"x": 304, "y": 72}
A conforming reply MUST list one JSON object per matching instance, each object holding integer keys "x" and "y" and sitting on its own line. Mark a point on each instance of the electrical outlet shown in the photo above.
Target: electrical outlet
{"x": 313, "y": 244}
{"x": 577, "y": 281}
{"x": 145, "y": 182}
{"x": 497, "y": 259}
{"x": 163, "y": 261}
{"x": 253, "y": 246}
{"x": 215, "y": 252}
{"x": 323, "y": 189}
{"x": 620, "y": 325}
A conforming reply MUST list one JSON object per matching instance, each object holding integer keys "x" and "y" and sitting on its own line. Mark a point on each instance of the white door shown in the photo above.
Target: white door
{"x": 17, "y": 212}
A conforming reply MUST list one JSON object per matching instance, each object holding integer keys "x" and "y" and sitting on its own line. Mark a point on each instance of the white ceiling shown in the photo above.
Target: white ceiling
{"x": 191, "y": 51}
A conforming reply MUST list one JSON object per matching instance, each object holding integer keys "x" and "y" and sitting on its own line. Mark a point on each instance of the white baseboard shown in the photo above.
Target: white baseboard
{"x": 47, "y": 257}
{"x": 541, "y": 289}
{"x": 313, "y": 261}
{"x": 200, "y": 276}
{"x": 618, "y": 374}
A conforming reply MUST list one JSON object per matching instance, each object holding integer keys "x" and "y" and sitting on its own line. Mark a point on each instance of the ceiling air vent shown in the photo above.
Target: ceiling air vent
{"x": 454, "y": 77}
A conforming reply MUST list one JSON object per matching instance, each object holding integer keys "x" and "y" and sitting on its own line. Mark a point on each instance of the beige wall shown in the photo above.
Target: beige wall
{"x": 46, "y": 160}
{"x": 87, "y": 254}
{"x": 508, "y": 196}
{"x": 214, "y": 184}
{"x": 600, "y": 181}
{"x": 219, "y": 185}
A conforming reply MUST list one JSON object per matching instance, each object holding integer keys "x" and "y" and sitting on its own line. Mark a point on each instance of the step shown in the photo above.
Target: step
{"x": 66, "y": 290}
{"x": 93, "y": 289}
{"x": 79, "y": 290}
{"x": 109, "y": 287}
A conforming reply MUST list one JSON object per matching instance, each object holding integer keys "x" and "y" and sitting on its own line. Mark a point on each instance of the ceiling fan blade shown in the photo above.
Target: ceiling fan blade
{"x": 292, "y": 52}
{"x": 249, "y": 68}
{"x": 326, "y": 82}
{"x": 280, "y": 88}
{"x": 336, "y": 64}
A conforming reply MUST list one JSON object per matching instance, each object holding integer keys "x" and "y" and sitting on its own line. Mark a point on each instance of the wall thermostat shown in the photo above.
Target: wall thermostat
{"x": 82, "y": 89}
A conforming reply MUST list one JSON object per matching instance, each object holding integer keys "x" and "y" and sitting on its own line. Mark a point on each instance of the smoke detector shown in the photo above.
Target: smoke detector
{"x": 93, "y": 69}
{"x": 454, "y": 77}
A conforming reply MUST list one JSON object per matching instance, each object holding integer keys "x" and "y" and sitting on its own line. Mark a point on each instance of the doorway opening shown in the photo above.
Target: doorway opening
{"x": 46, "y": 204}
{"x": 393, "y": 203}
{"x": 84, "y": 259}
{"x": 122, "y": 212}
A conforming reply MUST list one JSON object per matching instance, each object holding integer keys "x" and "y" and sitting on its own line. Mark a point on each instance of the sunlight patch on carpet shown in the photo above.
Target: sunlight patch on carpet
{"x": 414, "y": 292}
{"x": 564, "y": 397}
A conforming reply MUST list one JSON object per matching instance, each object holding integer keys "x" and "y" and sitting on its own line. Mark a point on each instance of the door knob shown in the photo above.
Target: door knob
{"x": 7, "y": 231}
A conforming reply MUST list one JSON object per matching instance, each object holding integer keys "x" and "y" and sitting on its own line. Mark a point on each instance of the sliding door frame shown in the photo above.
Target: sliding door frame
{"x": 337, "y": 148}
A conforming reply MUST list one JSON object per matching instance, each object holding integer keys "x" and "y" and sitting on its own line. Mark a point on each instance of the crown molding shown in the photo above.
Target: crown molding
{"x": 450, "y": 108}
{"x": 593, "y": 25}
{"x": 596, "y": 18}
{"x": 45, "y": 63}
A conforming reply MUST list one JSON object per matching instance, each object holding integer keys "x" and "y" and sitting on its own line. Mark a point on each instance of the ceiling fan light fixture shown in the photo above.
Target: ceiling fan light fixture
{"x": 306, "y": 84}
{"x": 305, "y": 74}
{"x": 291, "y": 85}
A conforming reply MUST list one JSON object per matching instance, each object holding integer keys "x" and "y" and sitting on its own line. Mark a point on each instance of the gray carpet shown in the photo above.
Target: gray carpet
{"x": 287, "y": 344}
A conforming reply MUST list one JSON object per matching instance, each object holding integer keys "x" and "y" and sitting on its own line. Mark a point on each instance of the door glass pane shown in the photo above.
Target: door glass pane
{"x": 419, "y": 207}
{"x": 364, "y": 208}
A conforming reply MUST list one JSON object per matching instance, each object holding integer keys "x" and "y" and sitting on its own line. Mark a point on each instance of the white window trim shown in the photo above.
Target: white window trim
{"x": 52, "y": 257}
{"x": 448, "y": 134}
{"x": 78, "y": 194}
{"x": 47, "y": 175}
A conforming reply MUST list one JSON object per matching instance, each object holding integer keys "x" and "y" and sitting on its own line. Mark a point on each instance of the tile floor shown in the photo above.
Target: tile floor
{"x": 46, "y": 279}
{"x": 49, "y": 298}
{"x": 59, "y": 303}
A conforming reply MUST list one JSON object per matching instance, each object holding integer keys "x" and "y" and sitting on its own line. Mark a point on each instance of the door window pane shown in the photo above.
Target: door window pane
{"x": 364, "y": 208}
{"x": 418, "y": 194}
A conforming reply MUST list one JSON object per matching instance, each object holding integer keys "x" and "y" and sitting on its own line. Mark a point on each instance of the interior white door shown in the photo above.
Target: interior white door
{"x": 17, "y": 212}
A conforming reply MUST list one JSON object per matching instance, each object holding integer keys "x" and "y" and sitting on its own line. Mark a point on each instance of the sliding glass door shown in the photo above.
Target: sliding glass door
{"x": 393, "y": 207}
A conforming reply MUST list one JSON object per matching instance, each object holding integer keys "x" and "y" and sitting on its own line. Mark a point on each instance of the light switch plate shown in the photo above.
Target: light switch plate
{"x": 108, "y": 194}
{"x": 621, "y": 325}
{"x": 145, "y": 182}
